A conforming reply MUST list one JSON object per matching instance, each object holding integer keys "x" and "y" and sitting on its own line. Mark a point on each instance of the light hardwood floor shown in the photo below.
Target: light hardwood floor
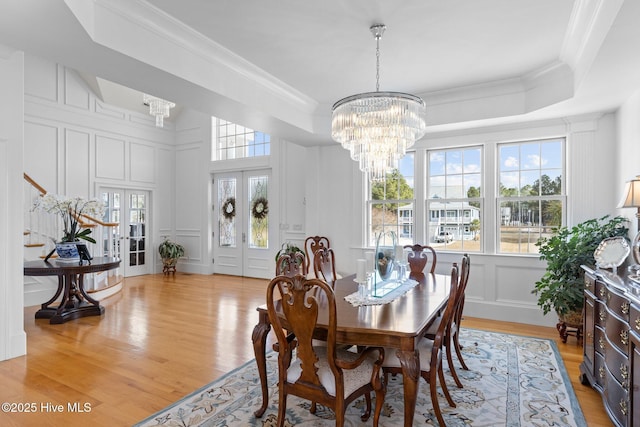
{"x": 161, "y": 338}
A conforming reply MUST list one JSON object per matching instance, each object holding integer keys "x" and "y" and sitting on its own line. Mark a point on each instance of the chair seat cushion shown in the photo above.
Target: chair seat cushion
{"x": 431, "y": 332}
{"x": 425, "y": 347}
{"x": 353, "y": 378}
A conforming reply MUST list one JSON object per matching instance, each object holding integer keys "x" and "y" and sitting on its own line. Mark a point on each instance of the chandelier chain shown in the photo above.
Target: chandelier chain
{"x": 377, "y": 63}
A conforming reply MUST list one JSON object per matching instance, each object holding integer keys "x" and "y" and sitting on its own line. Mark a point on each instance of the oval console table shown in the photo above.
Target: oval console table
{"x": 75, "y": 301}
{"x": 611, "y": 344}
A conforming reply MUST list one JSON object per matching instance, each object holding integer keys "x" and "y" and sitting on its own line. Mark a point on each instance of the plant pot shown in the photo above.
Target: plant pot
{"x": 572, "y": 319}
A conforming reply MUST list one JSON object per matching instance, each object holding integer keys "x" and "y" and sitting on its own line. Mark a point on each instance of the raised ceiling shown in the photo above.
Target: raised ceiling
{"x": 279, "y": 65}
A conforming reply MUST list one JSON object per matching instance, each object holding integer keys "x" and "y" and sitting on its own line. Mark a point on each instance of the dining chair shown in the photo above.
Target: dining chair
{"x": 430, "y": 353}
{"x": 326, "y": 374}
{"x": 418, "y": 257}
{"x": 291, "y": 264}
{"x": 452, "y": 331}
{"x": 324, "y": 266}
{"x": 311, "y": 245}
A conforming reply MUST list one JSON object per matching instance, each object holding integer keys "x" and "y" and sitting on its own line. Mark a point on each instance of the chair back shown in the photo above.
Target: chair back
{"x": 419, "y": 256}
{"x": 324, "y": 266}
{"x": 449, "y": 311}
{"x": 293, "y": 305}
{"x": 311, "y": 245}
{"x": 464, "y": 278}
{"x": 291, "y": 264}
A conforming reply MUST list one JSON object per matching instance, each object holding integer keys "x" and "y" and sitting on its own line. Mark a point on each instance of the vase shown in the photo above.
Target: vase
{"x": 72, "y": 251}
{"x": 385, "y": 254}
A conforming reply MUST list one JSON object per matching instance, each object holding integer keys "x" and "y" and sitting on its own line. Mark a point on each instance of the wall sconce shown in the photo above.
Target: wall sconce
{"x": 632, "y": 200}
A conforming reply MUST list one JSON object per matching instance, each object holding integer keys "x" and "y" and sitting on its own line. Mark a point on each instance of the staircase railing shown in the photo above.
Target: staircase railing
{"x": 43, "y": 229}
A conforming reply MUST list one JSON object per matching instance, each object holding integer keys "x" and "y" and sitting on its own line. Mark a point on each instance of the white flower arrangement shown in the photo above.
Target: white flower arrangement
{"x": 70, "y": 209}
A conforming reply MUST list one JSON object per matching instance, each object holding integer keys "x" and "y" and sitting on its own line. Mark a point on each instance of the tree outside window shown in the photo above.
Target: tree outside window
{"x": 531, "y": 193}
{"x": 391, "y": 203}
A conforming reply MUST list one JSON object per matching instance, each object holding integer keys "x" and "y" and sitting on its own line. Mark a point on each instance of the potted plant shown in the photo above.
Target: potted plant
{"x": 170, "y": 252}
{"x": 70, "y": 210}
{"x": 289, "y": 249}
{"x": 561, "y": 288}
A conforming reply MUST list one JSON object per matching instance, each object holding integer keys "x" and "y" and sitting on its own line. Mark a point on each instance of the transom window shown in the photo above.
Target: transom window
{"x": 235, "y": 141}
{"x": 531, "y": 190}
{"x": 454, "y": 199}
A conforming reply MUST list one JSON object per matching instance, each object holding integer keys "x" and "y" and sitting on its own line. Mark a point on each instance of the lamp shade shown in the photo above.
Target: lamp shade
{"x": 631, "y": 194}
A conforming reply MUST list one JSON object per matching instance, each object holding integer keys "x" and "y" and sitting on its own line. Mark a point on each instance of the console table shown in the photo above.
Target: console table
{"x": 75, "y": 301}
{"x": 611, "y": 344}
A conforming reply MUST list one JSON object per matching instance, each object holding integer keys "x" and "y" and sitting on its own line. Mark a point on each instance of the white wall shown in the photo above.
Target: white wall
{"x": 628, "y": 150}
{"x": 74, "y": 143}
{"x": 13, "y": 341}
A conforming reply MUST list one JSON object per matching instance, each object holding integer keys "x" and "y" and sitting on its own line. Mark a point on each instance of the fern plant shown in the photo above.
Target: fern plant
{"x": 561, "y": 288}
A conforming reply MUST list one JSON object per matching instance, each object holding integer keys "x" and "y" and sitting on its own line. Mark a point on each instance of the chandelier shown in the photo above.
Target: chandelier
{"x": 378, "y": 127}
{"x": 158, "y": 107}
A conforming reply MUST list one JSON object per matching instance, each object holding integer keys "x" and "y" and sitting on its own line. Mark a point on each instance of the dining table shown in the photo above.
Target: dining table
{"x": 399, "y": 324}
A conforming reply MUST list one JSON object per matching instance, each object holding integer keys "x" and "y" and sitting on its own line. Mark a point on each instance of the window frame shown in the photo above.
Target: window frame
{"x": 499, "y": 199}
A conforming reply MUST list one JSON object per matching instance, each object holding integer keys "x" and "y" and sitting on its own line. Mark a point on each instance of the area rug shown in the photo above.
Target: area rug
{"x": 512, "y": 381}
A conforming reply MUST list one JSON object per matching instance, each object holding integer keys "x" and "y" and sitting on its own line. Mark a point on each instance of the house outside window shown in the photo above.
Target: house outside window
{"x": 454, "y": 199}
{"x": 531, "y": 189}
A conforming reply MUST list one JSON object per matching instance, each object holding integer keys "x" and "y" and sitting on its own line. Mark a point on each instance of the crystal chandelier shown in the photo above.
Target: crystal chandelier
{"x": 158, "y": 107}
{"x": 378, "y": 127}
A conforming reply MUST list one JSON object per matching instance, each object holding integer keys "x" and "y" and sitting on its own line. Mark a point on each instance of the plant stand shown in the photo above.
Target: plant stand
{"x": 565, "y": 330}
{"x": 570, "y": 324}
{"x": 169, "y": 266}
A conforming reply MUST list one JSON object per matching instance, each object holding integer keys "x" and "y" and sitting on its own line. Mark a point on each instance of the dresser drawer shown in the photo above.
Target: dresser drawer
{"x": 599, "y": 371}
{"x": 590, "y": 284}
{"x": 600, "y": 342}
{"x": 616, "y": 399}
{"x": 601, "y": 290}
{"x": 618, "y": 365}
{"x": 601, "y": 313}
{"x": 617, "y": 333}
{"x": 618, "y": 304}
{"x": 634, "y": 318}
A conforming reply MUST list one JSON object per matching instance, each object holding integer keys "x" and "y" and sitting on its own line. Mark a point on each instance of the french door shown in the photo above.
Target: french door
{"x": 243, "y": 231}
{"x": 130, "y": 210}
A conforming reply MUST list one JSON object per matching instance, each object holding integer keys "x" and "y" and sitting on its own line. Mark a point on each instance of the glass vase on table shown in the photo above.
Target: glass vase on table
{"x": 384, "y": 261}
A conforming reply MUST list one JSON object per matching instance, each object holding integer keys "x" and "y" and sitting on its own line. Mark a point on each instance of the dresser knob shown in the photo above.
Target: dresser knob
{"x": 638, "y": 323}
{"x": 602, "y": 315}
{"x": 623, "y": 407}
{"x": 625, "y": 307}
{"x": 601, "y": 372}
{"x": 624, "y": 371}
{"x": 601, "y": 343}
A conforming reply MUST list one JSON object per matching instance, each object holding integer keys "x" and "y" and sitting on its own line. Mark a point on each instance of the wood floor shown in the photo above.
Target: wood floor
{"x": 160, "y": 339}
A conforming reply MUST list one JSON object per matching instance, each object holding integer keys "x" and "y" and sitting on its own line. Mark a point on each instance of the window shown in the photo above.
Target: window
{"x": 531, "y": 191}
{"x": 391, "y": 203}
{"x": 454, "y": 199}
{"x": 235, "y": 141}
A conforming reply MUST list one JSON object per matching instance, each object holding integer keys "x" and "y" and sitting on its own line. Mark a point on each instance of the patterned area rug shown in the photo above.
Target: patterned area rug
{"x": 512, "y": 381}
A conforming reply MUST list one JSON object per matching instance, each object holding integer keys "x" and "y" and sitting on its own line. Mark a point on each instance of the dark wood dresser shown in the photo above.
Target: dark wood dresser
{"x": 611, "y": 361}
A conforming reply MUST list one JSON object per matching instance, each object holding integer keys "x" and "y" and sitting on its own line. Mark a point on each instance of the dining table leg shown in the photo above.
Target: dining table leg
{"x": 259, "y": 338}
{"x": 410, "y": 363}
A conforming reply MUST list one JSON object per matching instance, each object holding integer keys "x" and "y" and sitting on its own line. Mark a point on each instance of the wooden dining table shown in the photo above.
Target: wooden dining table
{"x": 399, "y": 324}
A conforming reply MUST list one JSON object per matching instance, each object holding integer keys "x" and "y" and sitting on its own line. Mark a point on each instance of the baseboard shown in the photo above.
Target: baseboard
{"x": 509, "y": 313}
